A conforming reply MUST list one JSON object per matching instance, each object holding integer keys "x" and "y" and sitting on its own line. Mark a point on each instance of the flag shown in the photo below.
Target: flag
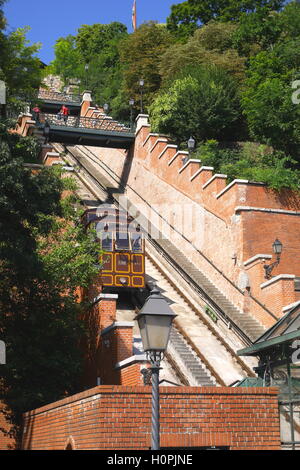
{"x": 134, "y": 15}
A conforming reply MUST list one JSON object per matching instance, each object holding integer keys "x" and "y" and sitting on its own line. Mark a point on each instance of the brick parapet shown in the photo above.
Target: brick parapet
{"x": 118, "y": 417}
{"x": 279, "y": 292}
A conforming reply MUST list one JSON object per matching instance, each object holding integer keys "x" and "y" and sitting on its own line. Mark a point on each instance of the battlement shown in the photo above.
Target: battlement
{"x": 242, "y": 218}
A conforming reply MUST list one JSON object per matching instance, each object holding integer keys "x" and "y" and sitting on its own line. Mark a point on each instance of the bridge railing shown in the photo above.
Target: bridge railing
{"x": 104, "y": 124}
{"x": 44, "y": 94}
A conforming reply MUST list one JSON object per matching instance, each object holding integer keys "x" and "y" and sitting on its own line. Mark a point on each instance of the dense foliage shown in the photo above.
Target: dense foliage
{"x": 204, "y": 102}
{"x": 44, "y": 259}
{"x": 20, "y": 68}
{"x": 187, "y": 16}
{"x": 252, "y": 162}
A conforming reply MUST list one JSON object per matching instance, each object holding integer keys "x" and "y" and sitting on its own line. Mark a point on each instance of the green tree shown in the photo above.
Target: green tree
{"x": 96, "y": 46}
{"x": 68, "y": 60}
{"x": 186, "y": 17}
{"x": 263, "y": 29}
{"x": 203, "y": 103}
{"x": 20, "y": 68}
{"x": 44, "y": 258}
{"x": 104, "y": 76}
{"x": 212, "y": 44}
{"x": 140, "y": 55}
{"x": 2, "y": 19}
{"x": 267, "y": 103}
{"x": 93, "y": 39}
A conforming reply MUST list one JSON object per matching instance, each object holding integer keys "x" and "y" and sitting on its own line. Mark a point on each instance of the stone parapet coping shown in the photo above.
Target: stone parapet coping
{"x": 149, "y": 135}
{"x": 131, "y": 360}
{"x": 230, "y": 185}
{"x": 117, "y": 324}
{"x": 277, "y": 278}
{"x": 105, "y": 296}
{"x": 290, "y": 306}
{"x": 180, "y": 152}
{"x": 98, "y": 391}
{"x": 255, "y": 258}
{"x": 203, "y": 168}
{"x": 213, "y": 178}
{"x": 162, "y": 139}
{"x": 170, "y": 146}
{"x": 263, "y": 209}
{"x": 191, "y": 160}
{"x": 146, "y": 116}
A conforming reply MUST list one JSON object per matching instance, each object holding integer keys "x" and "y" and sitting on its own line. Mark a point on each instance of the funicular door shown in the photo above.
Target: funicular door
{"x": 138, "y": 270}
{"x": 122, "y": 269}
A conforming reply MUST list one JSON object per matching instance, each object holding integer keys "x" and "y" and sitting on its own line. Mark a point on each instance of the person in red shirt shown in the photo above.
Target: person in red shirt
{"x": 65, "y": 113}
{"x": 36, "y": 113}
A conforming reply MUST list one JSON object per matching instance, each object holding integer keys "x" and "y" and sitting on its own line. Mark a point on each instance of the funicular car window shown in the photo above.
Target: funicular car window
{"x": 122, "y": 241}
{"x": 106, "y": 241}
{"x": 136, "y": 242}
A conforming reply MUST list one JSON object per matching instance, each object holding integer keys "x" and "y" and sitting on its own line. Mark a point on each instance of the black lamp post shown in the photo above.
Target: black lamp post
{"x": 155, "y": 322}
{"x": 277, "y": 250}
{"x": 131, "y": 104}
{"x": 106, "y": 108}
{"x": 142, "y": 83}
{"x": 3, "y": 98}
{"x": 46, "y": 132}
{"x": 191, "y": 145}
{"x": 86, "y": 68}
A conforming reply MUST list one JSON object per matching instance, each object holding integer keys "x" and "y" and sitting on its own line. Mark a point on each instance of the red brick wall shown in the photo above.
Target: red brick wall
{"x": 6, "y": 442}
{"x": 107, "y": 312}
{"x": 116, "y": 345}
{"x": 279, "y": 294}
{"x": 227, "y": 236}
{"x": 131, "y": 375}
{"x": 99, "y": 360}
{"x": 109, "y": 417}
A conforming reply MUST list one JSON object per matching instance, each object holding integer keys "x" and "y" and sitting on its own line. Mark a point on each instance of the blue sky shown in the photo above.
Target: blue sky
{"x": 52, "y": 19}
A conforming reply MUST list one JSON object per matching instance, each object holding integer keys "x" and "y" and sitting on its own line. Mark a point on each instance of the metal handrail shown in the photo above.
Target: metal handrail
{"x": 59, "y": 97}
{"x": 105, "y": 123}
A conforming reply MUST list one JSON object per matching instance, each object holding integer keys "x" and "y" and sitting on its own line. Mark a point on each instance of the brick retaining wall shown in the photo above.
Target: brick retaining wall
{"x": 116, "y": 417}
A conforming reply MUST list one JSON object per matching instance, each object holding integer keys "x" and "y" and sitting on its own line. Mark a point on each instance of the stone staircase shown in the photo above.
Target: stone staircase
{"x": 221, "y": 362}
{"x": 249, "y": 325}
{"x": 192, "y": 363}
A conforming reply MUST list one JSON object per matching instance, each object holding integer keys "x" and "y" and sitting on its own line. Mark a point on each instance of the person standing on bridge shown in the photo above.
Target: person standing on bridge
{"x": 36, "y": 113}
{"x": 65, "y": 113}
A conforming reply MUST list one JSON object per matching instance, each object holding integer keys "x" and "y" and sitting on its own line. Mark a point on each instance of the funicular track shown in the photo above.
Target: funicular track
{"x": 97, "y": 184}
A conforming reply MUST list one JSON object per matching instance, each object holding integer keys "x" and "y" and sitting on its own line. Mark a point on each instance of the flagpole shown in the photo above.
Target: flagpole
{"x": 134, "y": 15}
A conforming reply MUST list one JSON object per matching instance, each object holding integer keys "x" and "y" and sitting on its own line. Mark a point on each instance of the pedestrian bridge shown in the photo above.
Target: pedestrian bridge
{"x": 78, "y": 130}
{"x": 51, "y": 101}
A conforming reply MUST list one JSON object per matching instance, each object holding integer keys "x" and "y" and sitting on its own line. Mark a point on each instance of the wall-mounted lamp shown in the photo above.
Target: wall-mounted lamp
{"x": 277, "y": 250}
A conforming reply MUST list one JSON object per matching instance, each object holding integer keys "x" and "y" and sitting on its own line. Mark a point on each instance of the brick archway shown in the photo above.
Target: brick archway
{"x": 70, "y": 444}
